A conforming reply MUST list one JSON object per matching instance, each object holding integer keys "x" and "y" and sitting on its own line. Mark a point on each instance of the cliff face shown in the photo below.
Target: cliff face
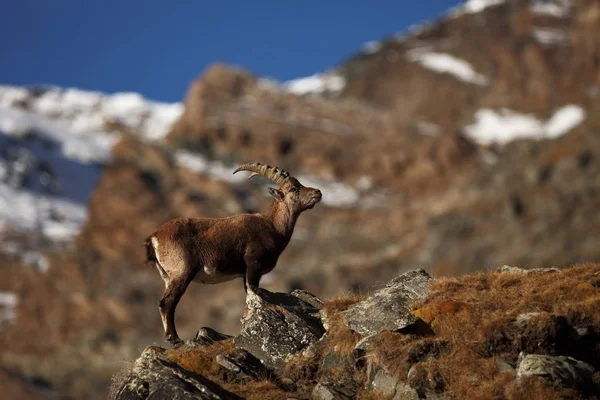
{"x": 468, "y": 143}
{"x": 478, "y": 336}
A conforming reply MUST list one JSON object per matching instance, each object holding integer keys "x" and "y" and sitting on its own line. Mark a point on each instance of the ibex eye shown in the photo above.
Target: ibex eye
{"x": 293, "y": 190}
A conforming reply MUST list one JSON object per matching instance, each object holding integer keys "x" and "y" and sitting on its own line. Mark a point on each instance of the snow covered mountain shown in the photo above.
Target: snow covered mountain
{"x": 54, "y": 141}
{"x": 53, "y": 144}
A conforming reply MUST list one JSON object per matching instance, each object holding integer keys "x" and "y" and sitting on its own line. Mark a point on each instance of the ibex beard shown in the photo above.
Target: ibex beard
{"x": 215, "y": 250}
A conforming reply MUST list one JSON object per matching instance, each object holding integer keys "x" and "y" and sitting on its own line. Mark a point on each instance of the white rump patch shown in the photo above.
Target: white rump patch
{"x": 154, "y": 241}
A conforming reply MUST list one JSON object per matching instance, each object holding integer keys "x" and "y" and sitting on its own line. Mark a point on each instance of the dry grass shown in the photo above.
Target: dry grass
{"x": 200, "y": 360}
{"x": 339, "y": 338}
{"x": 464, "y": 355}
{"x": 258, "y": 390}
{"x": 462, "y": 358}
{"x": 306, "y": 369}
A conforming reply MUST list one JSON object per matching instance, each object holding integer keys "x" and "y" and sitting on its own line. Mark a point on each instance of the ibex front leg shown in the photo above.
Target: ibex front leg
{"x": 175, "y": 288}
{"x": 252, "y": 278}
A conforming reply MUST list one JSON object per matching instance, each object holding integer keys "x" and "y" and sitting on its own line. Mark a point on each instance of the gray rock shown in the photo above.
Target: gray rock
{"x": 524, "y": 318}
{"x": 205, "y": 337}
{"x": 308, "y": 297}
{"x": 561, "y": 370}
{"x": 504, "y": 365}
{"x": 331, "y": 361}
{"x": 242, "y": 364}
{"x": 389, "y": 308}
{"x": 389, "y": 387}
{"x": 524, "y": 271}
{"x": 209, "y": 335}
{"x": 364, "y": 344}
{"x": 155, "y": 378}
{"x": 332, "y": 391}
{"x": 276, "y": 326}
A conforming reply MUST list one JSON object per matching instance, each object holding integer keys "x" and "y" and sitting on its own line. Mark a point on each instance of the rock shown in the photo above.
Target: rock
{"x": 332, "y": 391}
{"x": 242, "y": 364}
{"x": 364, "y": 343}
{"x": 331, "y": 361}
{"x": 425, "y": 378}
{"x": 389, "y": 387}
{"x": 308, "y": 297}
{"x": 544, "y": 333}
{"x": 504, "y": 366}
{"x": 276, "y": 326}
{"x": 389, "y": 308}
{"x": 156, "y": 378}
{"x": 207, "y": 336}
{"x": 561, "y": 370}
{"x": 524, "y": 271}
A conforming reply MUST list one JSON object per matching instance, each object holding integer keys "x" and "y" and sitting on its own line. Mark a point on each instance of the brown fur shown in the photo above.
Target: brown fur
{"x": 215, "y": 250}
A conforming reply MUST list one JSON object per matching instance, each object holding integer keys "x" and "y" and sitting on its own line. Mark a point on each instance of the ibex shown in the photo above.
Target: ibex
{"x": 215, "y": 250}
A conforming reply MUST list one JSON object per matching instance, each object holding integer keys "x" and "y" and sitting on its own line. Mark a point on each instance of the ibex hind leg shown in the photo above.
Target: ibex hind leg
{"x": 162, "y": 272}
{"x": 175, "y": 288}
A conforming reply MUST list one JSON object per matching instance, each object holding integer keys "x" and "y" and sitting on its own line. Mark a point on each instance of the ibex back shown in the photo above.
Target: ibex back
{"x": 215, "y": 250}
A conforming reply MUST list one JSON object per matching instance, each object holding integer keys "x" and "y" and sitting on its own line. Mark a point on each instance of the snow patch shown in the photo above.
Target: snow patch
{"x": 53, "y": 142}
{"x": 214, "y": 169}
{"x": 85, "y": 111}
{"x": 56, "y": 218}
{"x": 335, "y": 194}
{"x": 552, "y": 8}
{"x": 564, "y": 120}
{"x": 550, "y": 36}
{"x": 371, "y": 47}
{"x": 504, "y": 126}
{"x": 8, "y": 307}
{"x": 428, "y": 129}
{"x": 446, "y": 63}
{"x": 316, "y": 84}
{"x": 84, "y": 146}
{"x": 33, "y": 258}
{"x": 474, "y": 7}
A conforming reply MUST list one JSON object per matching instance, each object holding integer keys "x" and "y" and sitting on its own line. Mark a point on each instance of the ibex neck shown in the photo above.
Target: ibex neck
{"x": 283, "y": 218}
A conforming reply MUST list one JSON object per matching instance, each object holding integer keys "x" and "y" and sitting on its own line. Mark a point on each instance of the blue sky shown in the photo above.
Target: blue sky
{"x": 158, "y": 47}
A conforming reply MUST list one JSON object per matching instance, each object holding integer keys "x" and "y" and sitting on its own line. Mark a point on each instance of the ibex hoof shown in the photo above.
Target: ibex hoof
{"x": 175, "y": 341}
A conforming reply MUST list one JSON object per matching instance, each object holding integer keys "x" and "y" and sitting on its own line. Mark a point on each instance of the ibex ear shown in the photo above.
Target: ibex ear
{"x": 276, "y": 193}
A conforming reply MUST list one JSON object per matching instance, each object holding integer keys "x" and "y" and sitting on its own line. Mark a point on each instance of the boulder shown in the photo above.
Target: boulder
{"x": 242, "y": 364}
{"x": 562, "y": 371}
{"x": 155, "y": 378}
{"x": 389, "y": 387}
{"x": 389, "y": 308}
{"x": 207, "y": 336}
{"x": 276, "y": 326}
{"x": 332, "y": 391}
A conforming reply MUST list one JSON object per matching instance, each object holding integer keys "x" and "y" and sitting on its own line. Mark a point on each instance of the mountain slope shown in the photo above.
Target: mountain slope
{"x": 466, "y": 143}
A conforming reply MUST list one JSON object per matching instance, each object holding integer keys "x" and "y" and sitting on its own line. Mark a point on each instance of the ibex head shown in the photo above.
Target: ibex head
{"x": 296, "y": 196}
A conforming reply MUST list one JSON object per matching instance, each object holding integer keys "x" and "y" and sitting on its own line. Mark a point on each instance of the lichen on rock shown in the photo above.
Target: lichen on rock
{"x": 389, "y": 308}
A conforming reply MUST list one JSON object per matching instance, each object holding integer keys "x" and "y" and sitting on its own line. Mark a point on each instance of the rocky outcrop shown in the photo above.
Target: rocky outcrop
{"x": 389, "y": 308}
{"x": 561, "y": 371}
{"x": 390, "y": 387}
{"x": 277, "y": 326}
{"x": 154, "y": 377}
{"x": 284, "y": 349}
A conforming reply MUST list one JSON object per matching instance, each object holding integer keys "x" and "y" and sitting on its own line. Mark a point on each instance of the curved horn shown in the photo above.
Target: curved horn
{"x": 275, "y": 174}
